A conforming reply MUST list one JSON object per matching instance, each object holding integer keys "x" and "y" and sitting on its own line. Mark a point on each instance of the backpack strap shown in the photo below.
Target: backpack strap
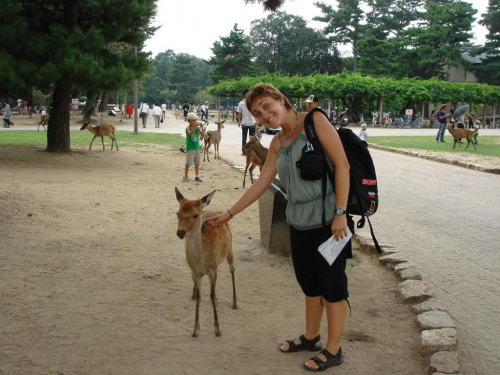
{"x": 313, "y": 139}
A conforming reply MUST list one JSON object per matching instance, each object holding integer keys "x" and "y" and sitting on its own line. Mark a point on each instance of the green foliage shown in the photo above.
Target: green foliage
{"x": 232, "y": 56}
{"x": 278, "y": 49}
{"x": 489, "y": 70}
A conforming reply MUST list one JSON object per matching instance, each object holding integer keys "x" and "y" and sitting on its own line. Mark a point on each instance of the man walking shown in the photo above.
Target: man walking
{"x": 245, "y": 120}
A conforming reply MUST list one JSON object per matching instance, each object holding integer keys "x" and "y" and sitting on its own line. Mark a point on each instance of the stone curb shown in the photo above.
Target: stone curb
{"x": 438, "y": 330}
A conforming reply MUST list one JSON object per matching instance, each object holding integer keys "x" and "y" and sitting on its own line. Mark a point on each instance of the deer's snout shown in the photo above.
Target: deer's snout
{"x": 181, "y": 234}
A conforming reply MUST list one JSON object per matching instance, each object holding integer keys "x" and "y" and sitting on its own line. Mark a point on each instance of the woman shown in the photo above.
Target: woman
{"x": 324, "y": 286}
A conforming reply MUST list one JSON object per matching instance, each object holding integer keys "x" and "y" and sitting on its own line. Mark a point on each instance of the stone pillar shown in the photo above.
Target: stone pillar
{"x": 274, "y": 230}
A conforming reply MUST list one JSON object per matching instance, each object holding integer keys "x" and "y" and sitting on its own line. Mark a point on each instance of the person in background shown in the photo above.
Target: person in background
{"x": 144, "y": 113}
{"x": 185, "y": 109}
{"x": 207, "y": 106}
{"x": 6, "y": 117}
{"x": 203, "y": 111}
{"x": 311, "y": 102}
{"x": 363, "y": 134}
{"x": 157, "y": 115}
{"x": 324, "y": 286}
{"x": 246, "y": 121}
{"x": 193, "y": 133}
{"x": 442, "y": 116}
{"x": 163, "y": 111}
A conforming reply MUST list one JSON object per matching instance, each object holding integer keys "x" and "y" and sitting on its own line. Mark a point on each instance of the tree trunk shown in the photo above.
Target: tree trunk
{"x": 104, "y": 102}
{"x": 58, "y": 139}
{"x": 88, "y": 110}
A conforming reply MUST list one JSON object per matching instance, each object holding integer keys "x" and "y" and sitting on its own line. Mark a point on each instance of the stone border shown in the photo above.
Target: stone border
{"x": 439, "y": 335}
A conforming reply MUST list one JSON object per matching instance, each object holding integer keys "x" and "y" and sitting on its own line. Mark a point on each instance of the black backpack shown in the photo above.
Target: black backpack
{"x": 363, "y": 191}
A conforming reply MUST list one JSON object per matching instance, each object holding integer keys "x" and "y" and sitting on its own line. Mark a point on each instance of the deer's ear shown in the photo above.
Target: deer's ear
{"x": 207, "y": 198}
{"x": 178, "y": 195}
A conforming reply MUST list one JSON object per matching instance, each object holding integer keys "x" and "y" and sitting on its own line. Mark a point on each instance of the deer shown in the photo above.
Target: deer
{"x": 43, "y": 120}
{"x": 206, "y": 247}
{"x": 213, "y": 137}
{"x": 462, "y": 133}
{"x": 101, "y": 131}
{"x": 256, "y": 155}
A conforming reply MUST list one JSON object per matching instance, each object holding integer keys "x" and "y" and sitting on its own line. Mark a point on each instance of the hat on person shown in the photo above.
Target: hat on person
{"x": 311, "y": 99}
{"x": 192, "y": 116}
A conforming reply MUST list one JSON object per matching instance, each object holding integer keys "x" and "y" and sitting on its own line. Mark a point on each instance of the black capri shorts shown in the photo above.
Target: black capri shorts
{"x": 315, "y": 276}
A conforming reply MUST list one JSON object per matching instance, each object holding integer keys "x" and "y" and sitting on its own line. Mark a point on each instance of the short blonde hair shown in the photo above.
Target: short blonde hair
{"x": 266, "y": 89}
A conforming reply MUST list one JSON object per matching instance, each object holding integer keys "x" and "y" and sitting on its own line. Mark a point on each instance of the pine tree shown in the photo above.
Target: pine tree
{"x": 489, "y": 71}
{"x": 232, "y": 57}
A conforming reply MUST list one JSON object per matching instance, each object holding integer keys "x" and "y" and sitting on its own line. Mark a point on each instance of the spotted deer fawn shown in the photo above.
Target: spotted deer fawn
{"x": 101, "y": 131}
{"x": 213, "y": 137}
{"x": 256, "y": 155}
{"x": 206, "y": 247}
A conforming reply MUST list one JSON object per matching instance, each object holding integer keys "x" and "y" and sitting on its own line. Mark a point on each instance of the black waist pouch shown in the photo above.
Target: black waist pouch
{"x": 311, "y": 164}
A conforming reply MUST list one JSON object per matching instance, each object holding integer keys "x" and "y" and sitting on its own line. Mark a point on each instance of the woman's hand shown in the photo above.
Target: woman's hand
{"x": 219, "y": 220}
{"x": 339, "y": 226}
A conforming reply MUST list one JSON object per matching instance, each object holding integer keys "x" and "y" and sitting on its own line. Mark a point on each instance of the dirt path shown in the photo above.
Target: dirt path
{"x": 94, "y": 281}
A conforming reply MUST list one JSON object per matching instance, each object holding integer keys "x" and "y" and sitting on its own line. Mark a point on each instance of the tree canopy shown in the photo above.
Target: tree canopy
{"x": 64, "y": 44}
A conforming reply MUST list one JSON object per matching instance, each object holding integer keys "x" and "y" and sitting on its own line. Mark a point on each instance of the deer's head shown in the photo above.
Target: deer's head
{"x": 189, "y": 215}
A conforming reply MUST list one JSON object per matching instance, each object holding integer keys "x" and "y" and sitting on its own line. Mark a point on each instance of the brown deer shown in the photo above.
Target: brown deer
{"x": 213, "y": 137}
{"x": 256, "y": 155}
{"x": 206, "y": 247}
{"x": 462, "y": 133}
{"x": 101, "y": 131}
{"x": 43, "y": 120}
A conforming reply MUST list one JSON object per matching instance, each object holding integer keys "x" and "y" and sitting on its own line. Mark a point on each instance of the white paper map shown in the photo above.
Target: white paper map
{"x": 330, "y": 249}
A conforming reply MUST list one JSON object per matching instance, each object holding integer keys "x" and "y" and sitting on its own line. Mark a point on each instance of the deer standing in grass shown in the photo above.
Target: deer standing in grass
{"x": 101, "y": 131}
{"x": 43, "y": 120}
{"x": 213, "y": 137}
{"x": 206, "y": 247}
{"x": 256, "y": 155}
{"x": 462, "y": 133}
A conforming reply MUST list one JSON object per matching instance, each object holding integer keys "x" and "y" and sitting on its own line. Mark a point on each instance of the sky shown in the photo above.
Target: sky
{"x": 192, "y": 26}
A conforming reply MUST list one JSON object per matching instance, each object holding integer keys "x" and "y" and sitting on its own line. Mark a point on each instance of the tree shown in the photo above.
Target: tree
{"x": 435, "y": 42}
{"x": 489, "y": 71}
{"x": 278, "y": 49}
{"x": 344, "y": 25}
{"x": 232, "y": 56}
{"x": 72, "y": 43}
{"x": 181, "y": 79}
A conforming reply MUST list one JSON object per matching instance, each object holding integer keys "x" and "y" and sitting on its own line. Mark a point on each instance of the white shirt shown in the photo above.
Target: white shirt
{"x": 156, "y": 111}
{"x": 247, "y": 118}
{"x": 163, "y": 107}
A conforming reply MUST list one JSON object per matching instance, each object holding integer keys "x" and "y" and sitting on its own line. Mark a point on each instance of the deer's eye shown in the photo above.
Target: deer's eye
{"x": 195, "y": 216}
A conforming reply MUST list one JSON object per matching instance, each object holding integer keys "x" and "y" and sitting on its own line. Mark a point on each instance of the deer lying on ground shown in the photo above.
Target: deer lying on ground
{"x": 43, "y": 120}
{"x": 256, "y": 155}
{"x": 101, "y": 131}
{"x": 462, "y": 133}
{"x": 213, "y": 137}
{"x": 206, "y": 247}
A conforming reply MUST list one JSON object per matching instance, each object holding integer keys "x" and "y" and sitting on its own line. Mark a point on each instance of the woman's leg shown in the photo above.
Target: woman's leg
{"x": 336, "y": 314}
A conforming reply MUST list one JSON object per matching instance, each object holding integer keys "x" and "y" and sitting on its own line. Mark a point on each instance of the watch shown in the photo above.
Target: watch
{"x": 340, "y": 211}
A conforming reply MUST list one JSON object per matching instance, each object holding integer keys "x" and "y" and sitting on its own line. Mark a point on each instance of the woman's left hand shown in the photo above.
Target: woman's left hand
{"x": 339, "y": 226}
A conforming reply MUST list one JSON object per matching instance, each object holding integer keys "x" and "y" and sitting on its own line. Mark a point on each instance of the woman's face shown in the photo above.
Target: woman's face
{"x": 268, "y": 111}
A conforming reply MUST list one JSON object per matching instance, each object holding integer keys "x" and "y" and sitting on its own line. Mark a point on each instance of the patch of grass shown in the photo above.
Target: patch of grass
{"x": 488, "y": 145}
{"x": 83, "y": 138}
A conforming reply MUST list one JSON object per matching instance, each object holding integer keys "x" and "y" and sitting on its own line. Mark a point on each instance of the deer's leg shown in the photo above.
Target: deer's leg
{"x": 213, "y": 282}
{"x": 216, "y": 152}
{"x": 251, "y": 172}
{"x": 230, "y": 260}
{"x": 197, "y": 287}
{"x": 102, "y": 140}
{"x": 245, "y": 175}
{"x": 92, "y": 142}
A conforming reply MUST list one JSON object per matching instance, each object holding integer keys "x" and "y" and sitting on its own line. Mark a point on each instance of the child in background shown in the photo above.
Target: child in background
{"x": 176, "y": 114}
{"x": 363, "y": 134}
{"x": 193, "y": 133}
